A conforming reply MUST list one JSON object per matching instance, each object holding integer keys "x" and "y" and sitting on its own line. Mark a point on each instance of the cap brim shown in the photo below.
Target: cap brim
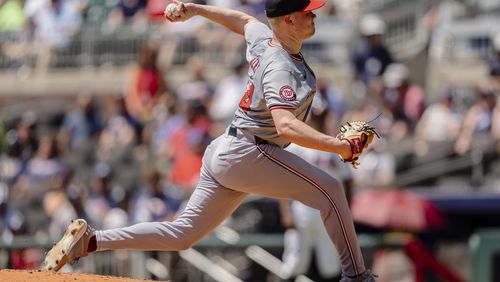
{"x": 313, "y": 5}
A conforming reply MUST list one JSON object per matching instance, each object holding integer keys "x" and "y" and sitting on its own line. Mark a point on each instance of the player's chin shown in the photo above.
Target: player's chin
{"x": 311, "y": 32}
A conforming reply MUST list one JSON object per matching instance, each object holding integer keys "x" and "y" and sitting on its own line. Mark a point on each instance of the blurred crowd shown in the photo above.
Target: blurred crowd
{"x": 120, "y": 158}
{"x": 32, "y": 31}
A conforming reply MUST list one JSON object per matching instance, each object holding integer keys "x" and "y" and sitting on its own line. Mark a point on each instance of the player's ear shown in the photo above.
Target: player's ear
{"x": 288, "y": 19}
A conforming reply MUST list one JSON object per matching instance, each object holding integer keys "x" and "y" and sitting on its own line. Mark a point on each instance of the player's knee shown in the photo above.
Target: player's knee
{"x": 187, "y": 241}
{"x": 335, "y": 189}
{"x": 334, "y": 184}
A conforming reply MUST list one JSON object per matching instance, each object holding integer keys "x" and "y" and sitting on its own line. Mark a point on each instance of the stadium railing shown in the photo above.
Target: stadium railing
{"x": 209, "y": 257}
{"x": 96, "y": 46}
{"x": 146, "y": 264}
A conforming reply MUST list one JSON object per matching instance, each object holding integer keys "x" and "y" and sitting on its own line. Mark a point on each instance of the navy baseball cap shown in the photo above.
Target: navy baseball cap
{"x": 277, "y": 8}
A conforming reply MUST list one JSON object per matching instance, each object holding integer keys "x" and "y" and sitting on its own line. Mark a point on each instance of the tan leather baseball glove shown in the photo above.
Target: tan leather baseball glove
{"x": 359, "y": 134}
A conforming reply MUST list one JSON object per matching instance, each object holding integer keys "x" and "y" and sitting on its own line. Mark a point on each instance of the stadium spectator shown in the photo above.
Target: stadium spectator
{"x": 142, "y": 152}
{"x": 11, "y": 220}
{"x": 494, "y": 62}
{"x": 11, "y": 164}
{"x": 76, "y": 191}
{"x": 120, "y": 133}
{"x": 63, "y": 204}
{"x": 347, "y": 9}
{"x": 60, "y": 212}
{"x": 227, "y": 96}
{"x": 188, "y": 144}
{"x": 198, "y": 88}
{"x": 478, "y": 120}
{"x": 128, "y": 11}
{"x": 496, "y": 121}
{"x": 3, "y": 137}
{"x": 440, "y": 122}
{"x": 82, "y": 124}
{"x": 402, "y": 98}
{"x": 12, "y": 16}
{"x": 23, "y": 138}
{"x": 58, "y": 207}
{"x": 32, "y": 6}
{"x": 42, "y": 171}
{"x": 21, "y": 145}
{"x": 331, "y": 103}
{"x": 55, "y": 22}
{"x": 16, "y": 39}
{"x": 103, "y": 195}
{"x": 152, "y": 201}
{"x": 145, "y": 83}
{"x": 12, "y": 224}
{"x": 166, "y": 120}
{"x": 371, "y": 57}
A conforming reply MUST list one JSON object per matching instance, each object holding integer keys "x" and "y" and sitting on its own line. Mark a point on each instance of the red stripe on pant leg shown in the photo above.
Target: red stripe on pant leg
{"x": 314, "y": 184}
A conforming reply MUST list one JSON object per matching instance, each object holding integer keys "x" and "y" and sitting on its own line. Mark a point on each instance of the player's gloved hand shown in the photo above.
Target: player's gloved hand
{"x": 178, "y": 11}
{"x": 359, "y": 134}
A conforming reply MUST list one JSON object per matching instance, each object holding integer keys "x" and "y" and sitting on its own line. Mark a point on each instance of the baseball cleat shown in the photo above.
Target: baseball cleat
{"x": 72, "y": 245}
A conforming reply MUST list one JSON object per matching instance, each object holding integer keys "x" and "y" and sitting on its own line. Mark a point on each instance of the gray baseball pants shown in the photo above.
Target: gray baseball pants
{"x": 233, "y": 168}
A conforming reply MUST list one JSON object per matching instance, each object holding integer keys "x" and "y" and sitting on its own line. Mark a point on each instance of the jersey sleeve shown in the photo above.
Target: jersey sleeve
{"x": 256, "y": 32}
{"x": 280, "y": 90}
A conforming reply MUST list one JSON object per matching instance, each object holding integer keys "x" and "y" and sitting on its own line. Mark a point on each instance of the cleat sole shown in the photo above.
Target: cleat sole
{"x": 57, "y": 257}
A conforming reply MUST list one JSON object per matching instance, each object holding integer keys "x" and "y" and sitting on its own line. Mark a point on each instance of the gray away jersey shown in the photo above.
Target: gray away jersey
{"x": 277, "y": 80}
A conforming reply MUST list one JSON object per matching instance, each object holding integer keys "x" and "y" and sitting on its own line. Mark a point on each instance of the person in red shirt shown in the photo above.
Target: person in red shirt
{"x": 145, "y": 83}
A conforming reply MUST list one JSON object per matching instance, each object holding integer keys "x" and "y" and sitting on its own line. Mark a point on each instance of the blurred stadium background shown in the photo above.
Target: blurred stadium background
{"x": 105, "y": 111}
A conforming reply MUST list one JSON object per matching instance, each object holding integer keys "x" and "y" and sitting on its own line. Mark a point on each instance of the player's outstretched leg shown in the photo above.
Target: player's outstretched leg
{"x": 73, "y": 245}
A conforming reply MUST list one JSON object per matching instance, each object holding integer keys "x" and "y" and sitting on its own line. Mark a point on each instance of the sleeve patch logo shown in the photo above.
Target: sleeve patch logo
{"x": 287, "y": 93}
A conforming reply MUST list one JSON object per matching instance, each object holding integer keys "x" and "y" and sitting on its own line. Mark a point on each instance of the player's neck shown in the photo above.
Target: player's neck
{"x": 288, "y": 43}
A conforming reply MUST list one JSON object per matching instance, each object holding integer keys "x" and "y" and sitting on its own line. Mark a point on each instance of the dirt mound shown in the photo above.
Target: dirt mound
{"x": 45, "y": 276}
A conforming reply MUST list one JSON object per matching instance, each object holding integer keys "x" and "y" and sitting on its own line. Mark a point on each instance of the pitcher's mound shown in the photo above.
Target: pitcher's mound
{"x": 46, "y": 276}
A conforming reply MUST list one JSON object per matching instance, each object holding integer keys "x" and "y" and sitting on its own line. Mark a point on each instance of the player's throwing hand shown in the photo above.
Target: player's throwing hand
{"x": 177, "y": 12}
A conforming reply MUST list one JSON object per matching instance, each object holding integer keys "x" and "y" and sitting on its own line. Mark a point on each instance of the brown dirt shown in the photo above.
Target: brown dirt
{"x": 45, "y": 276}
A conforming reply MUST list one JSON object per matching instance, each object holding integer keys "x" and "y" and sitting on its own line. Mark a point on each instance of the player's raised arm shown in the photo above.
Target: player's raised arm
{"x": 231, "y": 19}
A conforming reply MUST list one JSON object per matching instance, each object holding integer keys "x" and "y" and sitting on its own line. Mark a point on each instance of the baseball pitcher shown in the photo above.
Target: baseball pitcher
{"x": 250, "y": 157}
